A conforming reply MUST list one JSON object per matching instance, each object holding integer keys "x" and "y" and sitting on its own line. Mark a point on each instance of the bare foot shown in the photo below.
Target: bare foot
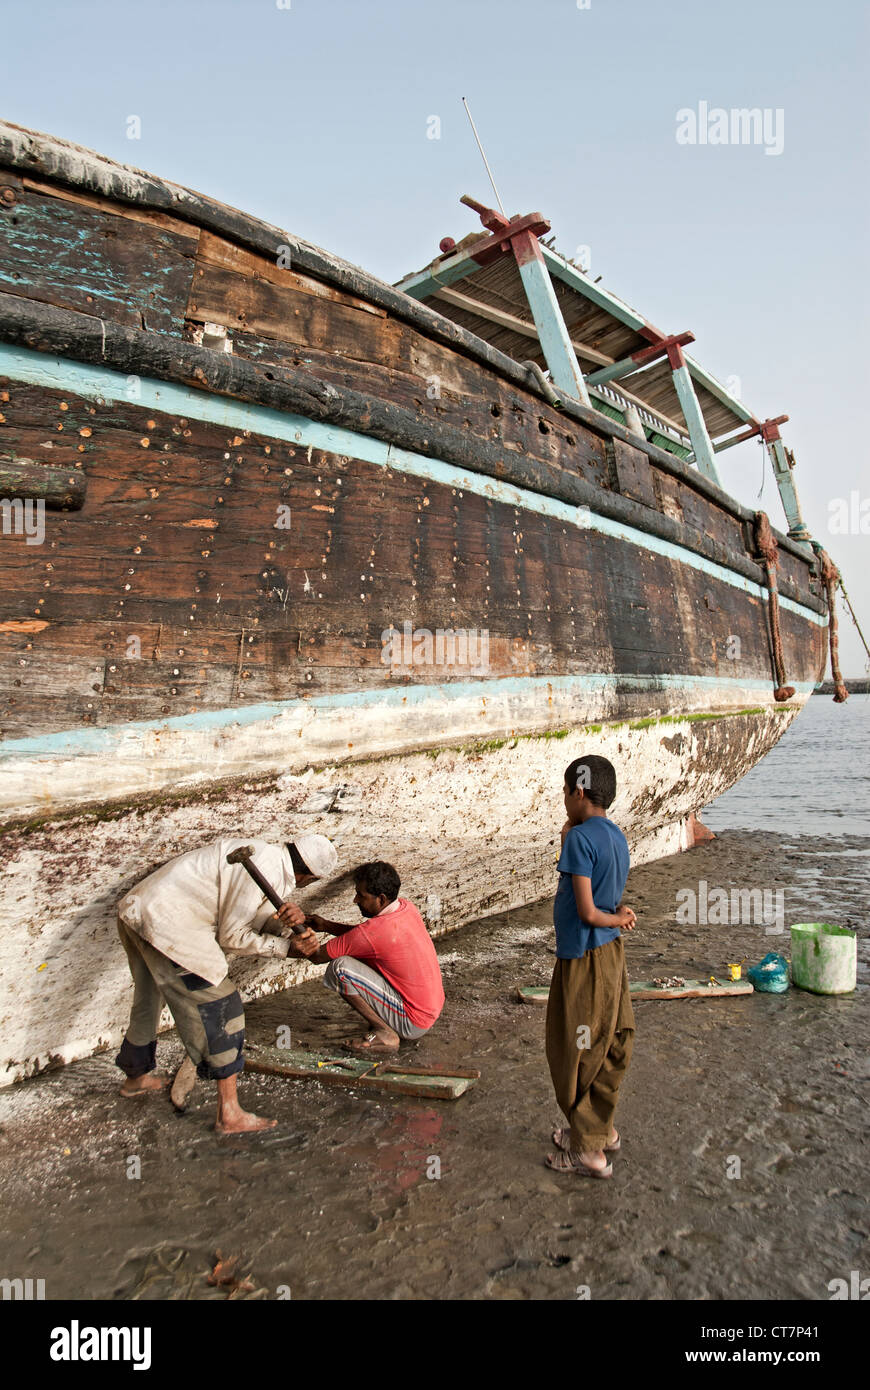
{"x": 141, "y": 1085}
{"x": 242, "y": 1122}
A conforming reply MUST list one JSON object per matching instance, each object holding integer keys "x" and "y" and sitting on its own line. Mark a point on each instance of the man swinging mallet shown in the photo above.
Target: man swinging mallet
{"x": 175, "y": 926}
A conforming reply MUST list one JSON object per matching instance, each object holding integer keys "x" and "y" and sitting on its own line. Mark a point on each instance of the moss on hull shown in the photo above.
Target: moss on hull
{"x": 490, "y": 745}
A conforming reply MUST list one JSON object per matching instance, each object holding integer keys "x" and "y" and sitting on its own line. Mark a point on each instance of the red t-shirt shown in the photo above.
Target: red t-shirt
{"x": 399, "y": 946}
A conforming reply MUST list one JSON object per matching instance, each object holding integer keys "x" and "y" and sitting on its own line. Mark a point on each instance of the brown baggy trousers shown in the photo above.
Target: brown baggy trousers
{"x": 590, "y": 992}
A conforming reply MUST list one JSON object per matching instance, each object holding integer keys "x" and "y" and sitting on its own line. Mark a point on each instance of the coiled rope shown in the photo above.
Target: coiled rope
{"x": 767, "y": 553}
{"x": 831, "y": 578}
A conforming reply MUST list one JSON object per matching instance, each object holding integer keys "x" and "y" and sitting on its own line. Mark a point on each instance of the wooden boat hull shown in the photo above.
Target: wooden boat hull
{"x": 234, "y": 610}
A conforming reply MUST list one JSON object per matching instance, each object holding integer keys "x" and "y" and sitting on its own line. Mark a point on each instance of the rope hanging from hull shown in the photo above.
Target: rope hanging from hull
{"x": 830, "y": 577}
{"x": 767, "y": 553}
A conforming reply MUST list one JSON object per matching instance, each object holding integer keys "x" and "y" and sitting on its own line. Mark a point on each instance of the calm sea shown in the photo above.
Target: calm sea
{"x": 816, "y": 781}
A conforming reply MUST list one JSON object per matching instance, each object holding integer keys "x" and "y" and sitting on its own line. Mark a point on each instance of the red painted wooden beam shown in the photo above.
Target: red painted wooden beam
{"x": 664, "y": 345}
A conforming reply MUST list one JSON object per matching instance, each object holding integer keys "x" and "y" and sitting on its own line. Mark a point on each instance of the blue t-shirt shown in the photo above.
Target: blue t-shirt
{"x": 596, "y": 850}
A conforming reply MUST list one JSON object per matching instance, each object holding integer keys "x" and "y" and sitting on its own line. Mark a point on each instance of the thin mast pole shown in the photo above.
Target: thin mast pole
{"x": 483, "y": 157}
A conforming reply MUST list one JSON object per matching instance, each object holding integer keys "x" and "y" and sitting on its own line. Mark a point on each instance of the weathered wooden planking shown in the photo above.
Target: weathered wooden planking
{"x": 634, "y": 474}
{"x": 71, "y": 168}
{"x": 320, "y": 595}
{"x": 290, "y": 313}
{"x": 126, "y": 210}
{"x": 217, "y": 251}
{"x": 112, "y": 345}
{"x": 441, "y": 389}
{"x": 312, "y": 1066}
{"x": 80, "y": 257}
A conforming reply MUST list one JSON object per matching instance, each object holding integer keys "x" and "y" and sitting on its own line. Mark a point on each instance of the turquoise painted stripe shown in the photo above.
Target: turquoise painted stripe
{"x": 110, "y": 740}
{"x": 60, "y": 374}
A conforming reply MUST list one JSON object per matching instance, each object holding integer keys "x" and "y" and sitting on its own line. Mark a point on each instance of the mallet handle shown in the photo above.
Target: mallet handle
{"x": 266, "y": 887}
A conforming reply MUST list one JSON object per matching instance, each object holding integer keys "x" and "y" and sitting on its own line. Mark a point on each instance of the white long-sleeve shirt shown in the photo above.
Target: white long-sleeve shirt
{"x": 198, "y": 905}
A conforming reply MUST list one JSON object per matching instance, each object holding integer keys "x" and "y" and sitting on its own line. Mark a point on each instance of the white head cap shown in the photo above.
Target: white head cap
{"x": 318, "y": 853}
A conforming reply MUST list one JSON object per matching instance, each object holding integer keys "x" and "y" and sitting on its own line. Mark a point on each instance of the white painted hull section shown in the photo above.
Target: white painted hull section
{"x": 83, "y": 767}
{"x": 472, "y": 831}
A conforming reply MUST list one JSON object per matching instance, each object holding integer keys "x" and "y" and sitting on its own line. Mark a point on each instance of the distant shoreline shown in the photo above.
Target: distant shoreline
{"x": 856, "y": 686}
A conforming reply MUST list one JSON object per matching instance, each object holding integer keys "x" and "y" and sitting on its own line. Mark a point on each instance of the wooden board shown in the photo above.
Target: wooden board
{"x": 645, "y": 989}
{"x": 692, "y": 989}
{"x": 533, "y": 994}
{"x": 357, "y": 1071}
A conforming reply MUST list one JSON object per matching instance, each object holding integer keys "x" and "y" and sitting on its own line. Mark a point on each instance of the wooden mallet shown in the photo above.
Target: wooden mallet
{"x": 243, "y": 855}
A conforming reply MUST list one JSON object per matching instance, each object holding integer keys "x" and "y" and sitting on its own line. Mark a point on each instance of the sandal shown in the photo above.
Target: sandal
{"x": 565, "y": 1161}
{"x": 368, "y": 1047}
{"x": 562, "y": 1140}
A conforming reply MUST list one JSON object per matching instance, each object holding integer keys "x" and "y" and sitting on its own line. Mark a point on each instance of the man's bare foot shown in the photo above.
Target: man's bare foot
{"x": 242, "y": 1122}
{"x": 141, "y": 1085}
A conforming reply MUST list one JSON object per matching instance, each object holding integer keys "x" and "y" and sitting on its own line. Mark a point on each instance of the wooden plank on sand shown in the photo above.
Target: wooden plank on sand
{"x": 645, "y": 989}
{"x": 357, "y": 1071}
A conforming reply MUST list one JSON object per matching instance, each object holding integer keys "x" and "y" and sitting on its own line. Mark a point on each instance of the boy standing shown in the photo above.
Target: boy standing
{"x": 386, "y": 969}
{"x": 590, "y": 1021}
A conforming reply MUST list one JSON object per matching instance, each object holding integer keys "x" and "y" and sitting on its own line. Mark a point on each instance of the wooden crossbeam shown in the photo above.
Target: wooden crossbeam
{"x": 516, "y": 325}
{"x": 61, "y": 489}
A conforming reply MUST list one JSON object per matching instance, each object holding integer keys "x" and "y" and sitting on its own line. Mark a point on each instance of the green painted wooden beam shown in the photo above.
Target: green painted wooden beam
{"x": 785, "y": 482}
{"x": 553, "y": 335}
{"x": 701, "y": 442}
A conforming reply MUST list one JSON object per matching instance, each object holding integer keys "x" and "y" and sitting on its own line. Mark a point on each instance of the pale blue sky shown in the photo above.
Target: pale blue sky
{"x": 315, "y": 118}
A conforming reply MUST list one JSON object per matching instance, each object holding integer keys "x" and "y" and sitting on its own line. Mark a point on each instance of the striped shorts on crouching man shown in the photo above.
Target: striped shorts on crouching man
{"x": 349, "y": 976}
{"x": 210, "y": 1018}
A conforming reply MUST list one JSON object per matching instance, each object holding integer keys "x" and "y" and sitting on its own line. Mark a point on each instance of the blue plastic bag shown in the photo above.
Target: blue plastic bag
{"x": 770, "y": 976}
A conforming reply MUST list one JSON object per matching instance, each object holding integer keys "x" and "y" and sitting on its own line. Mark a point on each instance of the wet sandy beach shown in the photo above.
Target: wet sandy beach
{"x": 341, "y": 1201}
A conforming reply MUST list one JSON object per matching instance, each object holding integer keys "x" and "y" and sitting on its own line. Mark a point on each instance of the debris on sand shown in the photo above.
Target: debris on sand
{"x": 176, "y": 1274}
{"x": 227, "y": 1274}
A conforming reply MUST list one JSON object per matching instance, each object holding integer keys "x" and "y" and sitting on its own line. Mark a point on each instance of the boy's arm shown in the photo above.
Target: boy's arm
{"x": 623, "y": 916}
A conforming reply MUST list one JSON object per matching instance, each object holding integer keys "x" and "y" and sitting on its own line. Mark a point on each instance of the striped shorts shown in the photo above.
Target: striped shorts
{"x": 349, "y": 976}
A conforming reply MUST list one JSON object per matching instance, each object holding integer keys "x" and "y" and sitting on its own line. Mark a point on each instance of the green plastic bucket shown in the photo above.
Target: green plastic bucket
{"x": 824, "y": 959}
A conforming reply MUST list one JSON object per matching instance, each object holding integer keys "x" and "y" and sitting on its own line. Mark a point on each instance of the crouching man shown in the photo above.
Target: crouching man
{"x": 385, "y": 968}
{"x": 175, "y": 926}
